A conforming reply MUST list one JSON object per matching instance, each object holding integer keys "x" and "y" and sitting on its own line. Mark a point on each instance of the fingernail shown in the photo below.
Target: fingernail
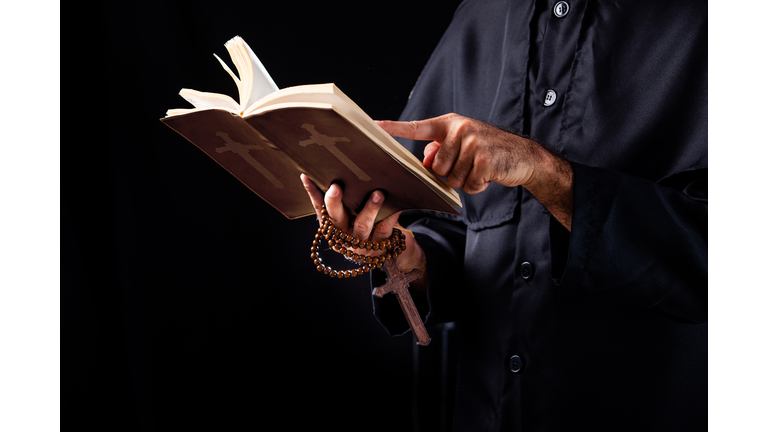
{"x": 333, "y": 190}
{"x": 378, "y": 197}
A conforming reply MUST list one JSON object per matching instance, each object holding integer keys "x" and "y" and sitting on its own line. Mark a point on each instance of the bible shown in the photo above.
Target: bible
{"x": 271, "y": 136}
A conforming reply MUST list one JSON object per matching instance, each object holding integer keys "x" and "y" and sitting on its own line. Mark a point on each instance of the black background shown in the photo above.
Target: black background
{"x": 187, "y": 302}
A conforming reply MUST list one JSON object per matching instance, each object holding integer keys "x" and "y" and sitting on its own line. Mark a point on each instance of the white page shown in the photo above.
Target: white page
{"x": 204, "y": 100}
{"x": 262, "y": 82}
{"x": 226, "y": 68}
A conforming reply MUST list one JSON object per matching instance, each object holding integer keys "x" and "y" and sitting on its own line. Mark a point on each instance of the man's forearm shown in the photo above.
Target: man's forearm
{"x": 552, "y": 184}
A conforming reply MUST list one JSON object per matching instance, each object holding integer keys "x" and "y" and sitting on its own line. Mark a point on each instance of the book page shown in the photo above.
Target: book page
{"x": 255, "y": 82}
{"x": 229, "y": 71}
{"x": 244, "y": 69}
{"x": 204, "y": 100}
{"x": 262, "y": 82}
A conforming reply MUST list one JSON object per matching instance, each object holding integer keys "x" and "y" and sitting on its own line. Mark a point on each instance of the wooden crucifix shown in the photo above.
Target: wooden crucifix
{"x": 398, "y": 282}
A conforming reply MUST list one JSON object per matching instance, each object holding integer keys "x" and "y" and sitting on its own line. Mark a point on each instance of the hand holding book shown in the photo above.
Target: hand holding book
{"x": 363, "y": 226}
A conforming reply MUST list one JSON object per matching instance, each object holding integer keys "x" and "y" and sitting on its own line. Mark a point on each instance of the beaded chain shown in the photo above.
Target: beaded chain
{"x": 343, "y": 243}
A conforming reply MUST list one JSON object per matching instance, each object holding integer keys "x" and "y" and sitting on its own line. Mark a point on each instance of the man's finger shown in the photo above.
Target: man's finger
{"x": 335, "y": 207}
{"x": 460, "y": 166}
{"x": 366, "y": 218}
{"x": 383, "y": 229}
{"x": 315, "y": 195}
{"x": 477, "y": 180}
{"x": 433, "y": 129}
{"x": 429, "y": 154}
{"x": 447, "y": 154}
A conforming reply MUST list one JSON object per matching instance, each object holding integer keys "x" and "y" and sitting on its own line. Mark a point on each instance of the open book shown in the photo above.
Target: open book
{"x": 272, "y": 136}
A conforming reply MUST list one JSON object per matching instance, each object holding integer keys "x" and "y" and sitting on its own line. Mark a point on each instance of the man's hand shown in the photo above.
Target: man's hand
{"x": 363, "y": 226}
{"x": 472, "y": 154}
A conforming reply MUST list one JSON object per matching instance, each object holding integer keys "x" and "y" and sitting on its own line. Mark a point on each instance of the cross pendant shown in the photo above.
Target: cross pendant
{"x": 398, "y": 282}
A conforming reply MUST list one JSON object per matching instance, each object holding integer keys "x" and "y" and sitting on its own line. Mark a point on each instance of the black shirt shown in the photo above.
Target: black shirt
{"x": 602, "y": 328}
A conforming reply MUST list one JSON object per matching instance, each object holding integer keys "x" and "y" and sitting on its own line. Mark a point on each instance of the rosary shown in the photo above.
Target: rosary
{"x": 397, "y": 281}
{"x": 342, "y": 243}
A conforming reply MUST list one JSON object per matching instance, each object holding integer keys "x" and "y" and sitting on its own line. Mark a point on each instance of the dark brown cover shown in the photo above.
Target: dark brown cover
{"x": 269, "y": 151}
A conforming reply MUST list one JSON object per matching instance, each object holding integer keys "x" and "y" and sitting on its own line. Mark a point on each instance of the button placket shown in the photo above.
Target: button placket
{"x": 557, "y": 27}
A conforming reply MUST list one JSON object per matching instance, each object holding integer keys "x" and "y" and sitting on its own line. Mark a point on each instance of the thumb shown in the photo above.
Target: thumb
{"x": 429, "y": 154}
{"x": 384, "y": 228}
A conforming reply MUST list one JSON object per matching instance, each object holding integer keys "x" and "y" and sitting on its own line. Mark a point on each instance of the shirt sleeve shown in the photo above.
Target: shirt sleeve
{"x": 640, "y": 242}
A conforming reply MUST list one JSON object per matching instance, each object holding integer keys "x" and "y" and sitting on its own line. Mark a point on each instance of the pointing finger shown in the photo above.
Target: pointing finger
{"x": 433, "y": 129}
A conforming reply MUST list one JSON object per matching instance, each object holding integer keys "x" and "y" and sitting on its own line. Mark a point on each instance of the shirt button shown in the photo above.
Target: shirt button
{"x": 561, "y": 9}
{"x": 550, "y": 98}
{"x": 515, "y": 364}
{"x": 526, "y": 270}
